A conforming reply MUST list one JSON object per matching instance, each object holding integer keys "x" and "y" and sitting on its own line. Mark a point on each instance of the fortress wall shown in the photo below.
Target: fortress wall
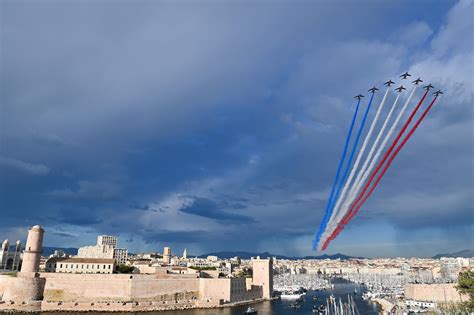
{"x": 440, "y": 293}
{"x": 215, "y": 289}
{"x": 114, "y": 287}
{"x": 150, "y": 287}
{"x": 3, "y": 284}
{"x": 84, "y": 287}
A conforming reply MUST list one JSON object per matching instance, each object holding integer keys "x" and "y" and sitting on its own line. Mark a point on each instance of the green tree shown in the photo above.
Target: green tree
{"x": 125, "y": 269}
{"x": 466, "y": 286}
{"x": 246, "y": 273}
{"x": 203, "y": 268}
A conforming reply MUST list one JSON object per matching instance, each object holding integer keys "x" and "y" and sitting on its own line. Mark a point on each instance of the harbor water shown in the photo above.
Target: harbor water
{"x": 341, "y": 290}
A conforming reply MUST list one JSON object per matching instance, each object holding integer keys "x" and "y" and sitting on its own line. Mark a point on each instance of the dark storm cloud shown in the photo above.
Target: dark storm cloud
{"x": 178, "y": 237}
{"x": 109, "y": 112}
{"x": 210, "y": 209}
{"x": 81, "y": 216}
{"x": 63, "y": 234}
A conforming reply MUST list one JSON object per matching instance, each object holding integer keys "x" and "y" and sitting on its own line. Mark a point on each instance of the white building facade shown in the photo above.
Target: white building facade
{"x": 10, "y": 259}
{"x": 106, "y": 248}
{"x": 80, "y": 265}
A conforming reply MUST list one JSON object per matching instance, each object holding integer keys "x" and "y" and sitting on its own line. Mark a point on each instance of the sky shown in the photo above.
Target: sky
{"x": 218, "y": 125}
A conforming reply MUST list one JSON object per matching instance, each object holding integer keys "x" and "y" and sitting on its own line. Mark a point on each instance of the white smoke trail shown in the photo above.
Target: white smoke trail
{"x": 358, "y": 159}
{"x": 367, "y": 172}
{"x": 358, "y": 181}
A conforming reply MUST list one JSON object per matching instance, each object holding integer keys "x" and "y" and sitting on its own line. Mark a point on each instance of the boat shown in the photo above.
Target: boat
{"x": 316, "y": 309}
{"x": 291, "y": 295}
{"x": 295, "y": 305}
{"x": 251, "y": 310}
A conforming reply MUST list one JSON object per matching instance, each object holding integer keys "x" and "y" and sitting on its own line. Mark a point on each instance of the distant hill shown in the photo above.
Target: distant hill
{"x": 248, "y": 255}
{"x": 466, "y": 253}
{"x": 50, "y": 250}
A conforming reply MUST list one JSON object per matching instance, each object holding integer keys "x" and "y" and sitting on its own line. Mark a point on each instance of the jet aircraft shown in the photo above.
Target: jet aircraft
{"x": 389, "y": 82}
{"x": 399, "y": 89}
{"x": 428, "y": 87}
{"x": 405, "y": 75}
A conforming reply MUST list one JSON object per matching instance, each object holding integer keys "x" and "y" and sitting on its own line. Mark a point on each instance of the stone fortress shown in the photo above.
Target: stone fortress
{"x": 32, "y": 290}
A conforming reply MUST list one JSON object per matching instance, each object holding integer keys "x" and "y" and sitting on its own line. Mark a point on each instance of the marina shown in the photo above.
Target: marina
{"x": 313, "y": 298}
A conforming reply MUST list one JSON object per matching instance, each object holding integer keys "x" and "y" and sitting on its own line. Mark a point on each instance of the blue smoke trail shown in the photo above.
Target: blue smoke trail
{"x": 341, "y": 162}
{"x": 351, "y": 157}
{"x": 346, "y": 173}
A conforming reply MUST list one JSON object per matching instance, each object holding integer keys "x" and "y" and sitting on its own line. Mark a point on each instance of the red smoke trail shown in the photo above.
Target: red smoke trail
{"x": 355, "y": 207}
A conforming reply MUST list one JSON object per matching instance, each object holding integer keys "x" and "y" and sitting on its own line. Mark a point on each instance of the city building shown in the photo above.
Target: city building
{"x": 107, "y": 240}
{"x": 106, "y": 248}
{"x": 80, "y": 265}
{"x": 89, "y": 284}
{"x": 10, "y": 259}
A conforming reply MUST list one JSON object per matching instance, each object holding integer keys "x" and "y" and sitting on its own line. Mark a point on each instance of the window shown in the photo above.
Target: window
{"x": 61, "y": 265}
{"x": 66, "y": 266}
{"x": 104, "y": 266}
{"x": 109, "y": 266}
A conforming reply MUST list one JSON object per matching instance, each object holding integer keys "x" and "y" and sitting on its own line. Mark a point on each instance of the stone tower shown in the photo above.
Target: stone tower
{"x": 167, "y": 255}
{"x": 4, "y": 254}
{"x": 263, "y": 275}
{"x": 33, "y": 250}
{"x": 28, "y": 286}
{"x": 17, "y": 256}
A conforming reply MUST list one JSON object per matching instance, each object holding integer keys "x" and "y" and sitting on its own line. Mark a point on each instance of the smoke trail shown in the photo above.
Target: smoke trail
{"x": 389, "y": 162}
{"x": 345, "y": 220}
{"x": 392, "y": 146}
{"x": 348, "y": 165}
{"x": 366, "y": 168}
{"x": 358, "y": 159}
{"x": 358, "y": 185}
{"x": 341, "y": 162}
{"x": 384, "y": 142}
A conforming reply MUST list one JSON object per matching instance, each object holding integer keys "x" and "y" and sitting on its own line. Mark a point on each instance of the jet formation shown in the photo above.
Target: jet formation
{"x": 350, "y": 191}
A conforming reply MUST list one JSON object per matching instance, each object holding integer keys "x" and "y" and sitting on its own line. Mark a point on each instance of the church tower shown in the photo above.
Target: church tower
{"x": 4, "y": 254}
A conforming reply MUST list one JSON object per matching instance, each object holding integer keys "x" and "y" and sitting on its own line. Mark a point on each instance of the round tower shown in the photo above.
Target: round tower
{"x": 28, "y": 286}
{"x": 33, "y": 250}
